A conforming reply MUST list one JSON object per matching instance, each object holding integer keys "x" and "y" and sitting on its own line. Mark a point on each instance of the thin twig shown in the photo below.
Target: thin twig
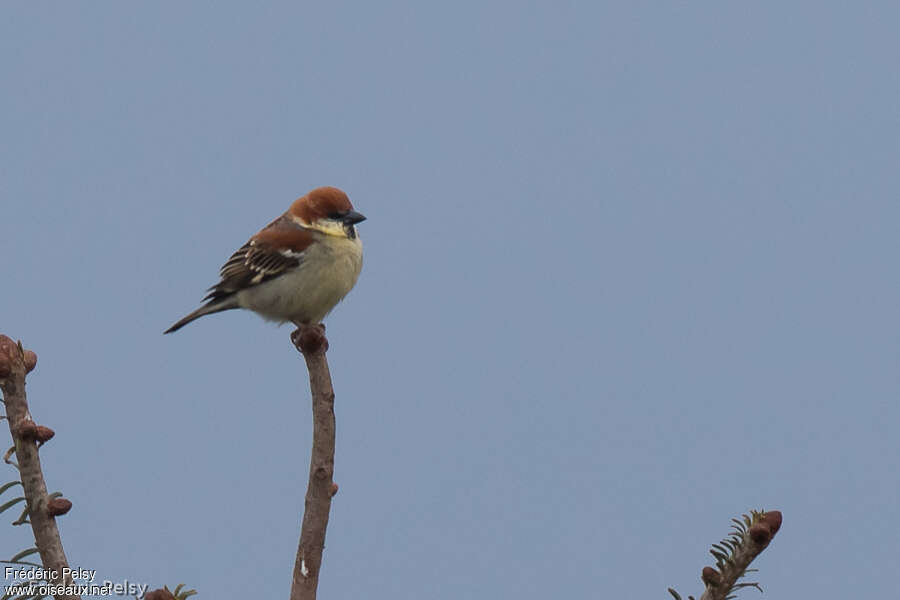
{"x": 752, "y": 537}
{"x": 15, "y": 363}
{"x": 310, "y": 340}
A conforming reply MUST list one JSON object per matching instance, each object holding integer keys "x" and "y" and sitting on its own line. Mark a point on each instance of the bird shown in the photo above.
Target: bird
{"x": 296, "y": 268}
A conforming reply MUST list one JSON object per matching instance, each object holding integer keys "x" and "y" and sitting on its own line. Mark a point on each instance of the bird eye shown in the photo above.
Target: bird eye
{"x": 337, "y": 215}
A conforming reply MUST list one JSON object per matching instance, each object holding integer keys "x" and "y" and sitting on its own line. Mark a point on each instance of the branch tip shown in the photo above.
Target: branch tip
{"x": 751, "y": 535}
{"x": 310, "y": 339}
{"x": 772, "y": 519}
{"x": 12, "y": 352}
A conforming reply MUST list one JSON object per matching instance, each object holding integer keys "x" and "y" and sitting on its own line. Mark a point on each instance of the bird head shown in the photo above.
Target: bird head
{"x": 328, "y": 210}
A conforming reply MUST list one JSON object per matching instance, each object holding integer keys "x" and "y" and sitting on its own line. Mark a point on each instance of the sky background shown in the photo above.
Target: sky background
{"x": 631, "y": 269}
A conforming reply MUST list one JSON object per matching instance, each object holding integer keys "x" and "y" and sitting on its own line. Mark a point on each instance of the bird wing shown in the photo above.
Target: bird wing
{"x": 275, "y": 249}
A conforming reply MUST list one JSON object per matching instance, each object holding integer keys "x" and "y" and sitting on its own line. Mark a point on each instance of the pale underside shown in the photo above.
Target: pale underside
{"x": 328, "y": 270}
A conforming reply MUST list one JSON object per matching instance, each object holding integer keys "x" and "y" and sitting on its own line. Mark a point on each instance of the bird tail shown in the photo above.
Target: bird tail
{"x": 226, "y": 303}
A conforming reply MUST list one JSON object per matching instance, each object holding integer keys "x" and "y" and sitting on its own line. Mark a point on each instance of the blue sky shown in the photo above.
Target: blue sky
{"x": 630, "y": 270}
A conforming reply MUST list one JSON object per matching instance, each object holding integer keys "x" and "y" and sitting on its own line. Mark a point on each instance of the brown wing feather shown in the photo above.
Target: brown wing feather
{"x": 274, "y": 250}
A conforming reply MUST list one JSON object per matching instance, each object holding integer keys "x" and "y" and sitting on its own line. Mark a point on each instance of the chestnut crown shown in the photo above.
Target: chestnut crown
{"x": 325, "y": 203}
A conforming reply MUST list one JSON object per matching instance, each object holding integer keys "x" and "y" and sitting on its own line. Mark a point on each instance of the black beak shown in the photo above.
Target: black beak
{"x": 353, "y": 217}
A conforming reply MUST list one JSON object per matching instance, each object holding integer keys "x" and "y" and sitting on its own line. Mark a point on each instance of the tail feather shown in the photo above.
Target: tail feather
{"x": 209, "y": 308}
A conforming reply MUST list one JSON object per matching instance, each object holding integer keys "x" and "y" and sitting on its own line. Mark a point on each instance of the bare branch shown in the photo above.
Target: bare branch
{"x": 310, "y": 340}
{"x": 15, "y": 363}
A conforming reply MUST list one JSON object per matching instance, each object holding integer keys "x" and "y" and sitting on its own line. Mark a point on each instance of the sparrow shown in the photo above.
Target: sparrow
{"x": 297, "y": 268}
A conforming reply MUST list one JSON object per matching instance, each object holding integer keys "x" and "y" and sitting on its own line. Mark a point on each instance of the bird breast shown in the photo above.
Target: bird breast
{"x": 328, "y": 271}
